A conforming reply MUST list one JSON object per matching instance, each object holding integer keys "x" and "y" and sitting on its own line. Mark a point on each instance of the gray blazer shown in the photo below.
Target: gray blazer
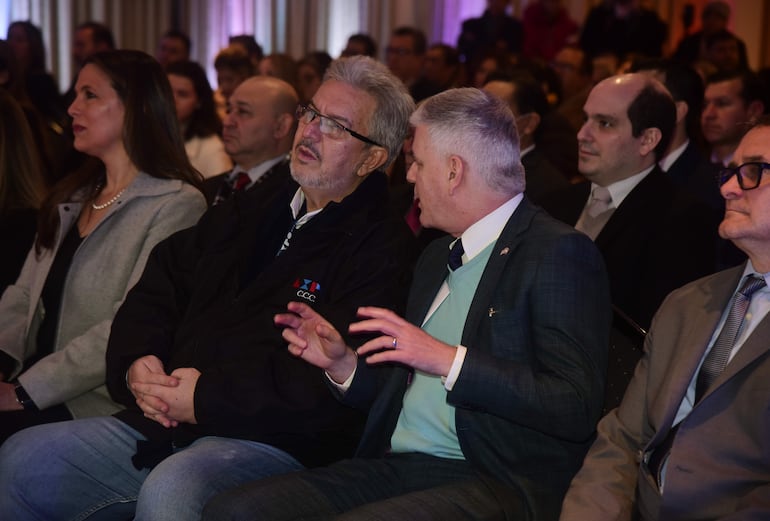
{"x": 106, "y": 265}
{"x": 719, "y": 466}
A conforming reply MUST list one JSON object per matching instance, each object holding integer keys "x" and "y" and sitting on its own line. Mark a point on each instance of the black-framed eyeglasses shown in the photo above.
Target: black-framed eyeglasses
{"x": 749, "y": 174}
{"x": 329, "y": 126}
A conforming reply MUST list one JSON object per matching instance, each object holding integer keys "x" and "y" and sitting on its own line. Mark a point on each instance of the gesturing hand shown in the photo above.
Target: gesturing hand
{"x": 402, "y": 342}
{"x": 312, "y": 338}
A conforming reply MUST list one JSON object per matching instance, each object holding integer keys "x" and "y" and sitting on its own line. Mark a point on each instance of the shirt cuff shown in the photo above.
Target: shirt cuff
{"x": 344, "y": 386}
{"x": 454, "y": 371}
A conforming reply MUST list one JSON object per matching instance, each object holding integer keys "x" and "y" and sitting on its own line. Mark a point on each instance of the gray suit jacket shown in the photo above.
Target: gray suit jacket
{"x": 719, "y": 465}
{"x": 107, "y": 264}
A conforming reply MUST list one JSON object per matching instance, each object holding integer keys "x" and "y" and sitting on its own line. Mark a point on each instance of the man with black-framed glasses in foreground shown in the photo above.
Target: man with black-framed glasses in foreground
{"x": 689, "y": 440}
{"x": 213, "y": 397}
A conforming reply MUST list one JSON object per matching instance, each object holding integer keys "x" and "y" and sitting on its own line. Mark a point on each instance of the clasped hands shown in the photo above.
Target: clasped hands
{"x": 312, "y": 338}
{"x": 165, "y": 398}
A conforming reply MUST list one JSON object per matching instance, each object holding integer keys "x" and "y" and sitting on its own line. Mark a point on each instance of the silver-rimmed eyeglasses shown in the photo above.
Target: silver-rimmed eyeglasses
{"x": 749, "y": 174}
{"x": 329, "y": 126}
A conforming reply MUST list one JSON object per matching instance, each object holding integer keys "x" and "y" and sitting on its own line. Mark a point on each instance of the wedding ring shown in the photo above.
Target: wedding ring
{"x": 395, "y": 343}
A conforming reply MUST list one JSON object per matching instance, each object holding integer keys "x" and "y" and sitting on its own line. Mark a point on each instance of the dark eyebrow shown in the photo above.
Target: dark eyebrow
{"x": 752, "y": 159}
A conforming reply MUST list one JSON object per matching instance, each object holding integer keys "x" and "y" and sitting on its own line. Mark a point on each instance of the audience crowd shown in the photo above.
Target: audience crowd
{"x": 404, "y": 282}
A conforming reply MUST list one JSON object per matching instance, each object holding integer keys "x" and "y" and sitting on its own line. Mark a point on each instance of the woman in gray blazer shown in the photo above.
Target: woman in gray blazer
{"x": 95, "y": 231}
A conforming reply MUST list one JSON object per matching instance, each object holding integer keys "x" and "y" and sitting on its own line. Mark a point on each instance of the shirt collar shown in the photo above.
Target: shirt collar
{"x": 527, "y": 150}
{"x": 257, "y": 171}
{"x": 620, "y": 189}
{"x": 669, "y": 160}
{"x": 487, "y": 230}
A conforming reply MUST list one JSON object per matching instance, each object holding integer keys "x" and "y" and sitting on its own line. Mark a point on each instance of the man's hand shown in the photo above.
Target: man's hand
{"x": 402, "y": 342}
{"x": 312, "y": 338}
{"x": 145, "y": 371}
{"x": 178, "y": 400}
{"x": 8, "y": 401}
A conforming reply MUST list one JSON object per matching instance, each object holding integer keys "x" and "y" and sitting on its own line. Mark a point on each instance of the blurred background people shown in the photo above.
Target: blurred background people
{"x": 21, "y": 188}
{"x": 233, "y": 65}
{"x": 198, "y": 120}
{"x": 96, "y": 229}
{"x": 360, "y": 44}
{"x": 442, "y": 66}
{"x": 250, "y": 45}
{"x": 310, "y": 73}
{"x": 547, "y": 29}
{"x": 174, "y": 46}
{"x": 495, "y": 29}
{"x": 89, "y": 38}
{"x": 714, "y": 19}
{"x": 622, "y": 27}
{"x": 281, "y": 66}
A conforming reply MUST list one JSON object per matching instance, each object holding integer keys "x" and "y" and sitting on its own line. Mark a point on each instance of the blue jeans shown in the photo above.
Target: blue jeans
{"x": 82, "y": 469}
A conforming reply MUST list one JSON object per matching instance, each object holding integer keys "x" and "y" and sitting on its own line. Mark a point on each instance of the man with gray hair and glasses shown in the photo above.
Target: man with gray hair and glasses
{"x": 213, "y": 397}
{"x": 483, "y": 401}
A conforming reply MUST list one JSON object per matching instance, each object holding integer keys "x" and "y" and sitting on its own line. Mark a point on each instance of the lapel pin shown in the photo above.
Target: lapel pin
{"x": 505, "y": 251}
{"x": 492, "y": 311}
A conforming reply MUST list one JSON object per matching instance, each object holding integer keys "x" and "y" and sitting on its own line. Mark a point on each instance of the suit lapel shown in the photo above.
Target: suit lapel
{"x": 697, "y": 328}
{"x": 504, "y": 248}
{"x": 425, "y": 286}
{"x": 633, "y": 207}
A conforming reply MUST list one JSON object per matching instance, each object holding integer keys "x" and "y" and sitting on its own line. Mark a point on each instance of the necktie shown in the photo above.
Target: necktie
{"x": 241, "y": 182}
{"x": 456, "y": 255}
{"x": 717, "y": 358}
{"x": 596, "y": 213}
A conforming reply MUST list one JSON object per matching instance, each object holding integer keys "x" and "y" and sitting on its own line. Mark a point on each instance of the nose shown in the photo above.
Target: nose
{"x": 312, "y": 129}
{"x": 731, "y": 189}
{"x": 584, "y": 132}
{"x": 74, "y": 107}
{"x": 708, "y": 111}
{"x": 411, "y": 176}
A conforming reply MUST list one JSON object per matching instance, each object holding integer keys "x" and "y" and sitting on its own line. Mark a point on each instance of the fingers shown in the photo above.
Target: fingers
{"x": 287, "y": 320}
{"x": 378, "y": 344}
{"x": 291, "y": 336}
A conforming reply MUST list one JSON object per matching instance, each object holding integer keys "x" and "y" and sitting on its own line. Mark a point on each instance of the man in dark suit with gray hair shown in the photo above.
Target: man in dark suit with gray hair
{"x": 484, "y": 399}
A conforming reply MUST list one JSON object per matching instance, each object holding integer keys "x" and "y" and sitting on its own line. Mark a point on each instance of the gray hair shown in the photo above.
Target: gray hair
{"x": 481, "y": 129}
{"x": 389, "y": 123}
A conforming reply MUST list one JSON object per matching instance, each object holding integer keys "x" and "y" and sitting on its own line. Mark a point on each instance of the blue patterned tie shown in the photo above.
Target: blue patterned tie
{"x": 456, "y": 255}
{"x": 717, "y": 358}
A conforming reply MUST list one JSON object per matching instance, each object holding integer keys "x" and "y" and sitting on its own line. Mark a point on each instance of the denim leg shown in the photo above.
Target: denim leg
{"x": 72, "y": 470}
{"x": 179, "y": 487}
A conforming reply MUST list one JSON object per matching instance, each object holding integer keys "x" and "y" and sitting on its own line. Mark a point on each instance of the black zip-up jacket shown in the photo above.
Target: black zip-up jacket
{"x": 207, "y": 300}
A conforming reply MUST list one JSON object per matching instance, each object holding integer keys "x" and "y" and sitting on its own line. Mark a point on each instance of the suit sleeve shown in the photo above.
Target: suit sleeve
{"x": 145, "y": 322}
{"x": 540, "y": 361}
{"x": 605, "y": 486}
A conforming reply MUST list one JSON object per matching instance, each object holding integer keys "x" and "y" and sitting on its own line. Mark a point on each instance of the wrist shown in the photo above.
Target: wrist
{"x": 343, "y": 368}
{"x": 24, "y": 398}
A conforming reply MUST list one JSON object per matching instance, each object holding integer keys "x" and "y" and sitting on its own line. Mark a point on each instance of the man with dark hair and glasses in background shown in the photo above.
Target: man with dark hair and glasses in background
{"x": 689, "y": 440}
{"x": 213, "y": 397}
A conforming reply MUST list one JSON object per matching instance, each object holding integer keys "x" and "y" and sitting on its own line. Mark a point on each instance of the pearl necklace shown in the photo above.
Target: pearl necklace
{"x": 108, "y": 203}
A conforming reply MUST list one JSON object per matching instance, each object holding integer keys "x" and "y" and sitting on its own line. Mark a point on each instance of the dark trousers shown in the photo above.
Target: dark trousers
{"x": 402, "y": 487}
{"x": 12, "y": 422}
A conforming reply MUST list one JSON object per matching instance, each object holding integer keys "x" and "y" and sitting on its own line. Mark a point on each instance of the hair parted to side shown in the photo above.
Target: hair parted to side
{"x": 151, "y": 135}
{"x": 479, "y": 128}
{"x": 390, "y": 121}
{"x": 653, "y": 107}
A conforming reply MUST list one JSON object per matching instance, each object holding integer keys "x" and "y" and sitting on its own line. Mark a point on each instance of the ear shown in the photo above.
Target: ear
{"x": 681, "y": 111}
{"x": 456, "y": 173}
{"x": 528, "y": 123}
{"x": 375, "y": 158}
{"x": 650, "y": 139}
{"x": 284, "y": 124}
{"x": 754, "y": 110}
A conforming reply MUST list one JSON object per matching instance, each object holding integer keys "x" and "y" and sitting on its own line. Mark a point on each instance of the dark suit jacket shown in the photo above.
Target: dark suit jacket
{"x": 657, "y": 240}
{"x": 531, "y": 387}
{"x": 541, "y": 175}
{"x": 719, "y": 467}
{"x": 268, "y": 184}
{"x": 693, "y": 172}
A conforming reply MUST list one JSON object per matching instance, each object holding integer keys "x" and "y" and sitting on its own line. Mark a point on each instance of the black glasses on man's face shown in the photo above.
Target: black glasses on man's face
{"x": 328, "y": 126}
{"x": 749, "y": 174}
